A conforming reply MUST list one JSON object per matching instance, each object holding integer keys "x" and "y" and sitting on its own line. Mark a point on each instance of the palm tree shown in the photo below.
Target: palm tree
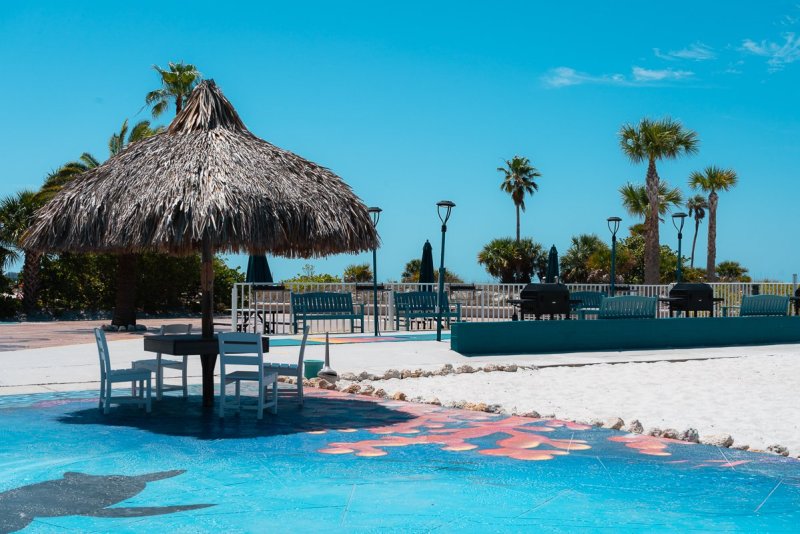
{"x": 637, "y": 203}
{"x": 519, "y": 180}
{"x": 651, "y": 141}
{"x": 511, "y": 261}
{"x": 575, "y": 262}
{"x": 16, "y": 213}
{"x": 711, "y": 180}
{"x": 125, "y": 305}
{"x": 177, "y": 83}
{"x": 697, "y": 207}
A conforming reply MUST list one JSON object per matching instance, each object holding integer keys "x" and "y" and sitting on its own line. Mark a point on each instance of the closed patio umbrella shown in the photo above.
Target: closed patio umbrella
{"x": 206, "y": 184}
{"x": 258, "y": 270}
{"x": 552, "y": 266}
{"x": 427, "y": 277}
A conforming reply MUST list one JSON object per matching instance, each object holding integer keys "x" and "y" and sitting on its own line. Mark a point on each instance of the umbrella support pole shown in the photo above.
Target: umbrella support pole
{"x": 208, "y": 361}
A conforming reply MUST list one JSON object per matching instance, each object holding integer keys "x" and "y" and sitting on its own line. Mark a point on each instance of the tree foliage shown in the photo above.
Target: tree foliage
{"x": 411, "y": 274}
{"x": 357, "y": 273}
{"x": 575, "y": 261}
{"x": 513, "y": 261}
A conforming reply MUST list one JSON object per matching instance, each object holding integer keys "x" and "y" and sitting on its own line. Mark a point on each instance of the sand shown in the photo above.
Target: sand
{"x": 752, "y": 398}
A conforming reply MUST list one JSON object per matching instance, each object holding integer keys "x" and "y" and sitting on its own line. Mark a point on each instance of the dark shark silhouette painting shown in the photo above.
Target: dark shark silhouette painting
{"x": 80, "y": 494}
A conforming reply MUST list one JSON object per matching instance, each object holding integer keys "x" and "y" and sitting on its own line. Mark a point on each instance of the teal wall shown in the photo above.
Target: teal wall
{"x": 543, "y": 337}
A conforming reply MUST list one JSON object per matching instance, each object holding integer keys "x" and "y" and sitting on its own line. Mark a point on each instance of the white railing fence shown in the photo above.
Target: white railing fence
{"x": 257, "y": 309}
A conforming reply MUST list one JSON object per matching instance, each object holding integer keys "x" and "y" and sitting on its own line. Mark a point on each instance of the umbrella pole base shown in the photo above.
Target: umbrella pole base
{"x": 208, "y": 361}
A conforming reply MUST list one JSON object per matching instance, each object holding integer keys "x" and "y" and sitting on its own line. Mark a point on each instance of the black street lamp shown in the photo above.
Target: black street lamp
{"x": 443, "y": 207}
{"x": 613, "y": 226}
{"x": 678, "y": 219}
{"x": 375, "y": 213}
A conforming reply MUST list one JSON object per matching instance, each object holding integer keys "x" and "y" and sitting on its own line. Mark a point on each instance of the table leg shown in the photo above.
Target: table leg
{"x": 208, "y": 361}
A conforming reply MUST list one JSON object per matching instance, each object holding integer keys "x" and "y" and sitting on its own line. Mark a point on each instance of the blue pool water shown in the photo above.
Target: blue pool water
{"x": 355, "y": 463}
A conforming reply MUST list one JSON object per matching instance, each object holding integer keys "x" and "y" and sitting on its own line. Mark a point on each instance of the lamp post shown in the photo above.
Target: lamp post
{"x": 613, "y": 226}
{"x": 443, "y": 207}
{"x": 678, "y": 219}
{"x": 375, "y": 213}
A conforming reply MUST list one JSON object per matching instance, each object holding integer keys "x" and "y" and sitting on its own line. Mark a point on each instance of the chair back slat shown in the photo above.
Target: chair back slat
{"x": 628, "y": 307}
{"x": 303, "y": 348}
{"x": 776, "y": 305}
{"x": 240, "y": 348}
{"x": 589, "y": 299}
{"x": 102, "y": 352}
{"x": 175, "y": 329}
{"x": 321, "y": 302}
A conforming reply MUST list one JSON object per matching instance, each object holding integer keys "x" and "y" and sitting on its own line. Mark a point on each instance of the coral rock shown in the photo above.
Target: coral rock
{"x": 511, "y": 368}
{"x": 532, "y": 414}
{"x": 635, "y": 427}
{"x": 465, "y": 369}
{"x": 391, "y": 373}
{"x": 434, "y": 400}
{"x": 380, "y": 393}
{"x": 363, "y": 375}
{"x": 350, "y": 377}
{"x": 352, "y": 388}
{"x": 399, "y": 396}
{"x": 690, "y": 435}
{"x": 717, "y": 440}
{"x": 670, "y": 433}
{"x": 778, "y": 449}
{"x": 367, "y": 390}
{"x": 614, "y": 423}
{"x": 655, "y": 432}
{"x": 324, "y": 384}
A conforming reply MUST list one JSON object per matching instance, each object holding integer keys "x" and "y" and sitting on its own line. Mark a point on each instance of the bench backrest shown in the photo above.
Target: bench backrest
{"x": 589, "y": 299}
{"x": 764, "y": 305}
{"x": 628, "y": 307}
{"x": 322, "y": 302}
{"x": 418, "y": 301}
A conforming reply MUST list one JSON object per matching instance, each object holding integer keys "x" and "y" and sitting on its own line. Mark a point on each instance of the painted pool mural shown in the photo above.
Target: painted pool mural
{"x": 366, "y": 464}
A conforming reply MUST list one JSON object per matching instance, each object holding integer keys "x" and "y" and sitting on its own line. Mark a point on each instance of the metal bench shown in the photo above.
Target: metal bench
{"x": 628, "y": 307}
{"x": 589, "y": 302}
{"x": 753, "y": 305}
{"x": 422, "y": 305}
{"x": 322, "y": 306}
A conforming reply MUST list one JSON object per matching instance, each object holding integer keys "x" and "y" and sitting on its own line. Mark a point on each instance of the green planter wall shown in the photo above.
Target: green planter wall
{"x": 543, "y": 337}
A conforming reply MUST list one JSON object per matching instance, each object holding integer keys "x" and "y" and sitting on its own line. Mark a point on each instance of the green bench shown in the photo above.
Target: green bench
{"x": 324, "y": 306}
{"x": 421, "y": 305}
{"x": 773, "y": 305}
{"x": 628, "y": 307}
{"x": 590, "y": 302}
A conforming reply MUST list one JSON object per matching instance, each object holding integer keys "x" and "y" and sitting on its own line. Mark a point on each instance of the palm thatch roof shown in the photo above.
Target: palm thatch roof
{"x": 206, "y": 176}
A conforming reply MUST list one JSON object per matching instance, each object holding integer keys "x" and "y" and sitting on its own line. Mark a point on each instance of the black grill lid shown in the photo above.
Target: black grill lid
{"x": 695, "y": 288}
{"x": 533, "y": 291}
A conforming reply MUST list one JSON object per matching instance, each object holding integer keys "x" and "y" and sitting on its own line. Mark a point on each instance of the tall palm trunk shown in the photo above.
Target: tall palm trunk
{"x": 694, "y": 240}
{"x": 517, "y": 223}
{"x": 711, "y": 262}
{"x": 125, "y": 301}
{"x": 652, "y": 261}
{"x": 31, "y": 279}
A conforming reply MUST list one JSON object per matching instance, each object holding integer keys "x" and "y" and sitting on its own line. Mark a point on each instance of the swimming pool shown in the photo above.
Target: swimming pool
{"x": 365, "y": 464}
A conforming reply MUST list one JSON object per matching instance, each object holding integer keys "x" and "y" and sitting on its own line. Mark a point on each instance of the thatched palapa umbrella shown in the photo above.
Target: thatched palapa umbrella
{"x": 206, "y": 184}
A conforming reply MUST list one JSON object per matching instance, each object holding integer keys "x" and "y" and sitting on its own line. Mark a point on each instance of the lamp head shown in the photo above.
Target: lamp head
{"x": 375, "y": 213}
{"x": 678, "y": 219}
{"x": 444, "y": 207}
{"x": 613, "y": 225}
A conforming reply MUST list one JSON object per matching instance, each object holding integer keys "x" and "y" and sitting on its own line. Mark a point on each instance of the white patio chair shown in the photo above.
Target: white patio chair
{"x": 109, "y": 377}
{"x": 291, "y": 369}
{"x": 245, "y": 349}
{"x": 159, "y": 364}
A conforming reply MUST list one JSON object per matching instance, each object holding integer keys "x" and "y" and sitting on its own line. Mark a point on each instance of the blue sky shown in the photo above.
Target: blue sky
{"x": 414, "y": 102}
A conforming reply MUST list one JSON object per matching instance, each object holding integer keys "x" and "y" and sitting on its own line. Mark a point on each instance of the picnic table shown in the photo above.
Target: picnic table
{"x": 193, "y": 345}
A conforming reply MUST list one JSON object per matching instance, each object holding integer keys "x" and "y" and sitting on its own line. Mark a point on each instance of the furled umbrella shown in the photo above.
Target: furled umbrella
{"x": 205, "y": 185}
{"x": 426, "y": 275}
{"x": 258, "y": 270}
{"x": 552, "y": 266}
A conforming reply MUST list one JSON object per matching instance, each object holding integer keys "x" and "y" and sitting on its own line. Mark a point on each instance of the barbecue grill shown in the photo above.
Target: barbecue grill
{"x": 692, "y": 298}
{"x": 543, "y": 299}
